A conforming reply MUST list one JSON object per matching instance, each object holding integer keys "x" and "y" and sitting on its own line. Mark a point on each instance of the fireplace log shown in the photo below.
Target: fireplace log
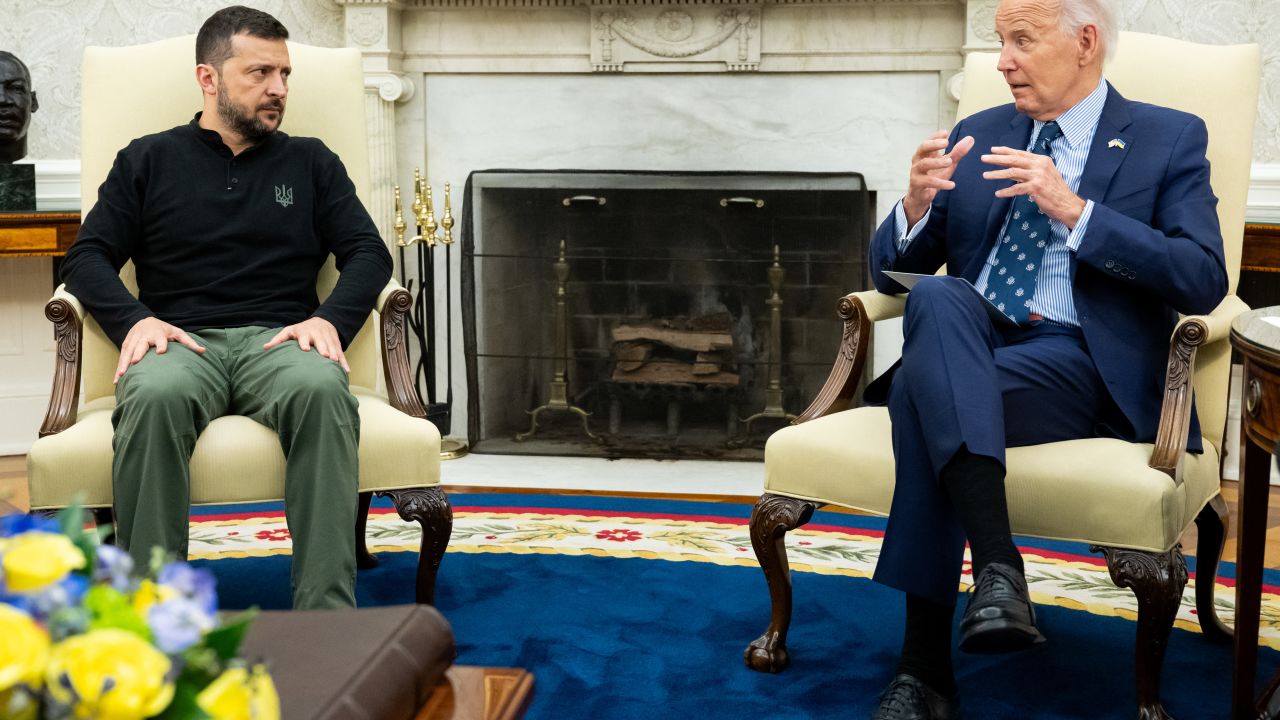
{"x": 711, "y": 363}
{"x": 692, "y": 340}
{"x": 632, "y": 355}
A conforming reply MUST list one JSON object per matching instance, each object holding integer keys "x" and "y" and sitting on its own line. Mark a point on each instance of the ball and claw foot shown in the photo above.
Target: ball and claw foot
{"x": 767, "y": 654}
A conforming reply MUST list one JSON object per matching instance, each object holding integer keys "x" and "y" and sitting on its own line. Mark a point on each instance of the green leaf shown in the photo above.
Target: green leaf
{"x": 225, "y": 641}
{"x": 184, "y": 705}
{"x": 71, "y": 521}
{"x": 109, "y": 608}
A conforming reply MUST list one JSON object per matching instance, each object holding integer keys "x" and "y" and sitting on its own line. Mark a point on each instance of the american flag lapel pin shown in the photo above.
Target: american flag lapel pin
{"x": 1116, "y": 142}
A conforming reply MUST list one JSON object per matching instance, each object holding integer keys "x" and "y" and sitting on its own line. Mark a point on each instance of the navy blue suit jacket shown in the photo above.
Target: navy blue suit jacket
{"x": 1152, "y": 248}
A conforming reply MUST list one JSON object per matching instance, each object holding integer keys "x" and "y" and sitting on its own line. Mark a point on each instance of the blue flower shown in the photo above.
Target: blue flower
{"x": 66, "y": 593}
{"x": 115, "y": 566}
{"x": 178, "y": 624}
{"x": 17, "y": 524}
{"x": 197, "y": 585}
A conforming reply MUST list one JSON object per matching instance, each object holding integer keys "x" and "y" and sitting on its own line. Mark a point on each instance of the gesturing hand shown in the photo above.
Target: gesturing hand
{"x": 1036, "y": 176}
{"x": 931, "y": 171}
{"x": 146, "y": 334}
{"x": 314, "y": 332}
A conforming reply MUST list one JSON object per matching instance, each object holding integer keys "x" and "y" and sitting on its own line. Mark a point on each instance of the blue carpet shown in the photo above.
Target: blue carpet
{"x": 632, "y": 638}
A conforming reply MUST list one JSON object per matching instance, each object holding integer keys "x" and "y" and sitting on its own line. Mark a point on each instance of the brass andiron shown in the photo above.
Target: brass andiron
{"x": 773, "y": 391}
{"x": 559, "y": 400}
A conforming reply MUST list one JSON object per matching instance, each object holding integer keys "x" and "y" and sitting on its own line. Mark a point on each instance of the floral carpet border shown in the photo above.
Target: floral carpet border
{"x": 1078, "y": 582}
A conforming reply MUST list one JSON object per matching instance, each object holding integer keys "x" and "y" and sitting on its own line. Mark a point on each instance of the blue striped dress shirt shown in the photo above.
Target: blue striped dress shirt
{"x": 1052, "y": 299}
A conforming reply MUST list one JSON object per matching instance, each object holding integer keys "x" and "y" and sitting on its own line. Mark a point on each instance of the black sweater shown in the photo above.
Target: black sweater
{"x": 225, "y": 241}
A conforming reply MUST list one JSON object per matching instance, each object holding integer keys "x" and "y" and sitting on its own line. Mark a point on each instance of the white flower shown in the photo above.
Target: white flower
{"x": 1003, "y": 271}
{"x": 1019, "y": 292}
{"x": 1033, "y": 235}
{"x": 1026, "y": 225}
{"x": 1022, "y": 256}
{"x": 1000, "y": 307}
{"x": 1031, "y": 266}
{"x": 1017, "y": 214}
{"x": 1040, "y": 244}
{"x": 992, "y": 296}
{"x": 1013, "y": 248}
{"x": 1009, "y": 281}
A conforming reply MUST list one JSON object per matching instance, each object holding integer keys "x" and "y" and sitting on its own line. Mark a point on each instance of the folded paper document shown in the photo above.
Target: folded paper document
{"x": 908, "y": 281}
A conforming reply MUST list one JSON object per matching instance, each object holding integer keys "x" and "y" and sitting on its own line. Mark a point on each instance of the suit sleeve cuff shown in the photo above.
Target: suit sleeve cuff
{"x": 1082, "y": 225}
{"x": 904, "y": 237}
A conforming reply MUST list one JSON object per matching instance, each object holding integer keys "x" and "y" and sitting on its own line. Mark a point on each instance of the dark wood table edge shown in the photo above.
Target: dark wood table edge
{"x": 1254, "y": 495}
{"x": 479, "y": 693}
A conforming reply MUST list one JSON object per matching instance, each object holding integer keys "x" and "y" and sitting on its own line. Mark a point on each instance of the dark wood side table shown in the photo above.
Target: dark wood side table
{"x": 1256, "y": 335}
{"x": 37, "y": 234}
{"x": 479, "y": 693}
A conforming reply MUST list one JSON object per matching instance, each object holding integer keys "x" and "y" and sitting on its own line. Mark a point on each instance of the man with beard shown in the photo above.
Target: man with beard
{"x": 17, "y": 102}
{"x": 228, "y": 221}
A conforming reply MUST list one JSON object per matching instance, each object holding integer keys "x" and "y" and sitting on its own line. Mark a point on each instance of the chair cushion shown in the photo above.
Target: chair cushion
{"x": 1095, "y": 491}
{"x": 236, "y": 460}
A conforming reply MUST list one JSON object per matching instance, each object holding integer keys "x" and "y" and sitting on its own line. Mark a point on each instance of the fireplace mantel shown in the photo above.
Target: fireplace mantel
{"x": 660, "y": 36}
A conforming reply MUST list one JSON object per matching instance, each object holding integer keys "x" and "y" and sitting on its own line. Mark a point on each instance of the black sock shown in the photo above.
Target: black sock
{"x": 975, "y": 484}
{"x": 926, "y": 645}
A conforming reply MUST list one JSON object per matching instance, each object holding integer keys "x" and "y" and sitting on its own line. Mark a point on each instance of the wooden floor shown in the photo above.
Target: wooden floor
{"x": 13, "y": 498}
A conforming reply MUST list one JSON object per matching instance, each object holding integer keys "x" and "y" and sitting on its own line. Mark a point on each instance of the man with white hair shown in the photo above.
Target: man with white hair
{"x": 1083, "y": 225}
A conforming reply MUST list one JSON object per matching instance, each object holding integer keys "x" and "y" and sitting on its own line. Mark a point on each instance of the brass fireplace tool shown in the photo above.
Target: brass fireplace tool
{"x": 773, "y": 391}
{"x": 559, "y": 388}
{"x": 422, "y": 317}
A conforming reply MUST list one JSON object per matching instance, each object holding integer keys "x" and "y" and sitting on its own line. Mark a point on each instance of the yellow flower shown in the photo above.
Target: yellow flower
{"x": 238, "y": 695}
{"x": 113, "y": 675}
{"x": 24, "y": 649}
{"x": 36, "y": 560}
{"x": 149, "y": 593}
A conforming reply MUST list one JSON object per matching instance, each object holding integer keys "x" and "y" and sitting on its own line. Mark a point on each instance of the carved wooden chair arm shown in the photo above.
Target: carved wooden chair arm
{"x": 67, "y": 315}
{"x": 394, "y": 303}
{"x": 1191, "y": 333}
{"x": 858, "y": 311}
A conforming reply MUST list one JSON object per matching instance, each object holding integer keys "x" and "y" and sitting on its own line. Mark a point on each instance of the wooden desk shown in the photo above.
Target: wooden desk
{"x": 1258, "y": 342}
{"x": 479, "y": 693}
{"x": 37, "y": 234}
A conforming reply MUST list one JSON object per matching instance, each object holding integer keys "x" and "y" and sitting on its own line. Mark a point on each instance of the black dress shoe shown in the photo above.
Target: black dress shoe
{"x": 999, "y": 617}
{"x": 908, "y": 698}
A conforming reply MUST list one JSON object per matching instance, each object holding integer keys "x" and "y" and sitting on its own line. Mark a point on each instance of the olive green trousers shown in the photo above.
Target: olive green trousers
{"x": 165, "y": 401}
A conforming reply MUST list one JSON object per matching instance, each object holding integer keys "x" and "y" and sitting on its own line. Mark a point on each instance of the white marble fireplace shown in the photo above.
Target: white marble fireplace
{"x": 846, "y": 85}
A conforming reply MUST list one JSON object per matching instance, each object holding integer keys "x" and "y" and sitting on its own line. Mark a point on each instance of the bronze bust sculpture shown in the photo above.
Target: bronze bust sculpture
{"x": 17, "y": 102}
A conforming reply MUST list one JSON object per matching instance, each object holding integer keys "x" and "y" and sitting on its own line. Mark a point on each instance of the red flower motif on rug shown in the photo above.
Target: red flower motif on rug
{"x": 618, "y": 535}
{"x": 279, "y": 535}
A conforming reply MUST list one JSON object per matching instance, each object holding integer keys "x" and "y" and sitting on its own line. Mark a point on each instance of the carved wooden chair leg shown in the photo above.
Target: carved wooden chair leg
{"x": 1211, "y": 537}
{"x": 1157, "y": 579}
{"x": 771, "y": 519}
{"x": 364, "y": 558}
{"x": 430, "y": 508}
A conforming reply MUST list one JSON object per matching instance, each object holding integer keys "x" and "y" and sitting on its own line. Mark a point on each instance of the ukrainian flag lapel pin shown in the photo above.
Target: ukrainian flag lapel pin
{"x": 1116, "y": 142}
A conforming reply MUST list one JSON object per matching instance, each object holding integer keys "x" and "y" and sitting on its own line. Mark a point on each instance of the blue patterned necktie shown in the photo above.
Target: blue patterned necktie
{"x": 1012, "y": 279}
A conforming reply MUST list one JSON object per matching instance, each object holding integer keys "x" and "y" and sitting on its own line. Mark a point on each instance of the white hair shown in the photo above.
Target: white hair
{"x": 1075, "y": 14}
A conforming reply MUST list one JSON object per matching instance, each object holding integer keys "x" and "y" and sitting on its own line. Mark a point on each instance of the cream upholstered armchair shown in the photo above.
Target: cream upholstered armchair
{"x": 1132, "y": 502}
{"x": 133, "y": 91}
